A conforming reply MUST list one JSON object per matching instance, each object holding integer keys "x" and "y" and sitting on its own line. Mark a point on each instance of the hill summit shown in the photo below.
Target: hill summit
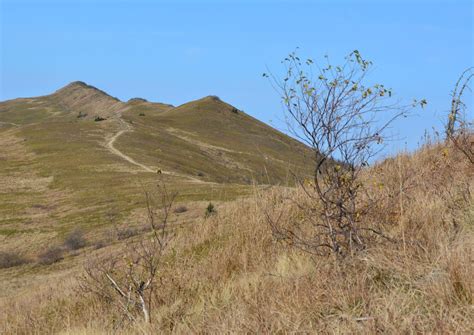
{"x": 86, "y": 100}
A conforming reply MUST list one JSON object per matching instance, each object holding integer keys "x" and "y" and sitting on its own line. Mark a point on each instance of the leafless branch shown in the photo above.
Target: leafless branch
{"x": 127, "y": 278}
{"x": 344, "y": 121}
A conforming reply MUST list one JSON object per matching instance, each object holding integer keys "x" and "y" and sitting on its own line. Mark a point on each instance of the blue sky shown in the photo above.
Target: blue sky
{"x": 176, "y": 51}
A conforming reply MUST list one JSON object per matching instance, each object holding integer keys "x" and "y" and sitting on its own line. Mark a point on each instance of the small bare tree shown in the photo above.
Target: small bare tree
{"x": 460, "y": 128}
{"x": 128, "y": 278}
{"x": 343, "y": 121}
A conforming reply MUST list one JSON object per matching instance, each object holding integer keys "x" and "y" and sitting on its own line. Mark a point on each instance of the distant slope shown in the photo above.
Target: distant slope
{"x": 75, "y": 100}
{"x": 206, "y": 139}
{"x": 85, "y": 101}
{"x": 61, "y": 170}
{"x": 223, "y": 143}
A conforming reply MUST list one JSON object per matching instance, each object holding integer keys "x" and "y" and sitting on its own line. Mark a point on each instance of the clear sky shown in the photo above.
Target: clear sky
{"x": 176, "y": 51}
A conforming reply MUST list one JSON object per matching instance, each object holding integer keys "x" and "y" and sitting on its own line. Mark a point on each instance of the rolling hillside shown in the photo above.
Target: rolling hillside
{"x": 74, "y": 168}
{"x": 78, "y": 157}
{"x": 206, "y": 139}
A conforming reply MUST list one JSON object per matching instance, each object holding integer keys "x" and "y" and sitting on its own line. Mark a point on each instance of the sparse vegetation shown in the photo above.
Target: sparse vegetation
{"x": 210, "y": 210}
{"x": 125, "y": 233}
{"x": 459, "y": 128}
{"x": 128, "y": 278}
{"x": 11, "y": 259}
{"x": 75, "y": 240}
{"x": 227, "y": 274}
{"x": 51, "y": 255}
{"x": 100, "y": 244}
{"x": 338, "y": 116}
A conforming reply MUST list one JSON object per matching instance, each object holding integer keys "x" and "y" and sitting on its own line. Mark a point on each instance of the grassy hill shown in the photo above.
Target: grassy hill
{"x": 207, "y": 137}
{"x": 80, "y": 159}
{"x": 213, "y": 140}
{"x": 74, "y": 169}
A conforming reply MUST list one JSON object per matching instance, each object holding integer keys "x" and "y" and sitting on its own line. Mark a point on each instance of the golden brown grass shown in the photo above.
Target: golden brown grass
{"x": 226, "y": 274}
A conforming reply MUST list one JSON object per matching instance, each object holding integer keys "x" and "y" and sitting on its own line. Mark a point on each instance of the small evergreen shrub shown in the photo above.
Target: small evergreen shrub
{"x": 210, "y": 210}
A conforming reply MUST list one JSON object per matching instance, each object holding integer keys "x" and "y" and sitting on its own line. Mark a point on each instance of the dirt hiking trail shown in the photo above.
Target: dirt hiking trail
{"x": 127, "y": 128}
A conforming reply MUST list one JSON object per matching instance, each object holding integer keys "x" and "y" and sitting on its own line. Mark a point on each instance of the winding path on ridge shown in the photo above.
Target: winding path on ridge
{"x": 115, "y": 151}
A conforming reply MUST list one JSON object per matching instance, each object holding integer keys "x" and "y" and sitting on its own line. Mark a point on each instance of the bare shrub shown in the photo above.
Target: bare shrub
{"x": 343, "y": 121}
{"x": 51, "y": 255}
{"x": 75, "y": 240}
{"x": 127, "y": 279}
{"x": 100, "y": 244}
{"x": 123, "y": 234}
{"x": 11, "y": 259}
{"x": 460, "y": 128}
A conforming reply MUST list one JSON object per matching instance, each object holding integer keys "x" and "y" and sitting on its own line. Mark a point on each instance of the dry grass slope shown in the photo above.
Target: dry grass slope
{"x": 226, "y": 274}
{"x": 86, "y": 101}
{"x": 57, "y": 173}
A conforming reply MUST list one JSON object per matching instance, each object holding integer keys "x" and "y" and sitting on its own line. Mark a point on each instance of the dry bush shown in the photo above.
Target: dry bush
{"x": 11, "y": 259}
{"x": 339, "y": 116}
{"x": 128, "y": 278}
{"x": 464, "y": 141}
{"x": 75, "y": 240}
{"x": 100, "y": 244}
{"x": 51, "y": 255}
{"x": 125, "y": 233}
{"x": 460, "y": 127}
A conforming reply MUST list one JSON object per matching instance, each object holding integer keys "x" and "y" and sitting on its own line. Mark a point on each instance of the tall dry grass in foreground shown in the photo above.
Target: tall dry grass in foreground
{"x": 226, "y": 273}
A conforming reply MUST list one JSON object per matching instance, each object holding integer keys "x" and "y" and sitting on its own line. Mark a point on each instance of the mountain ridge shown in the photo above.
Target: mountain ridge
{"x": 206, "y": 138}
